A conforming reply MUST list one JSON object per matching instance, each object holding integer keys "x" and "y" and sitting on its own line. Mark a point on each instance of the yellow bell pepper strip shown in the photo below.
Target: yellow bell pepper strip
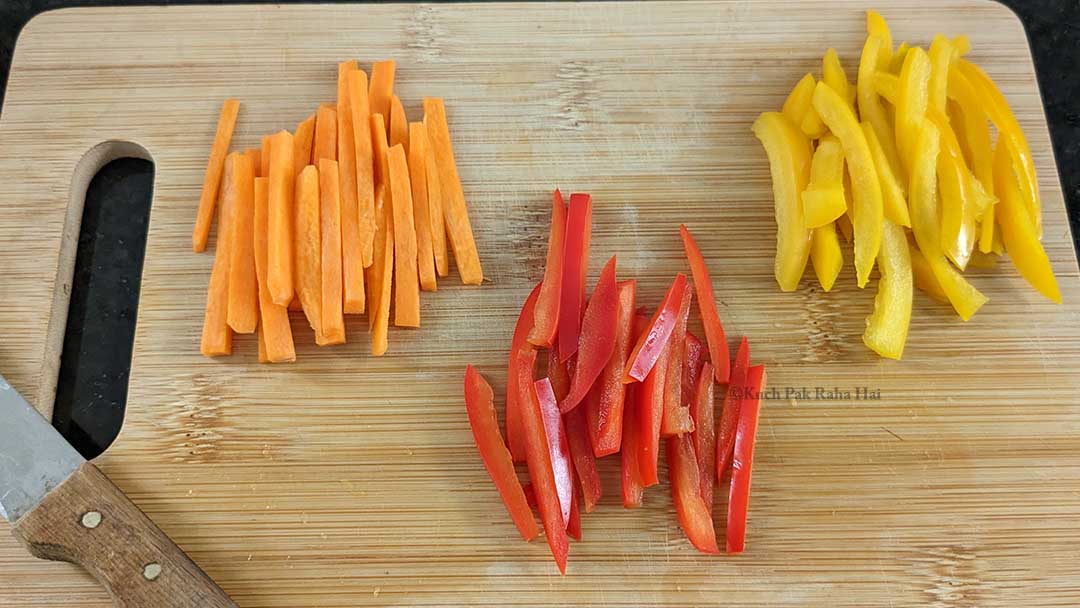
{"x": 812, "y": 126}
{"x": 866, "y": 187}
{"x": 832, "y": 72}
{"x": 789, "y": 163}
{"x": 887, "y": 86}
{"x": 887, "y": 328}
{"x": 957, "y": 217}
{"x": 962, "y": 45}
{"x": 959, "y": 126}
{"x": 893, "y": 196}
{"x": 897, "y": 62}
{"x": 798, "y": 100}
{"x": 823, "y": 200}
{"x": 870, "y": 108}
{"x": 986, "y": 230}
{"x": 912, "y": 98}
{"x": 1018, "y": 232}
{"x": 876, "y": 26}
{"x": 923, "y": 277}
{"x": 843, "y": 224}
{"x": 826, "y": 255}
{"x": 997, "y": 108}
{"x": 983, "y": 260}
{"x": 941, "y": 59}
{"x": 965, "y": 299}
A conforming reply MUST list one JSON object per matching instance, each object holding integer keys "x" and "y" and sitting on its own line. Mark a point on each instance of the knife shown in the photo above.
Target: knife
{"x": 64, "y": 509}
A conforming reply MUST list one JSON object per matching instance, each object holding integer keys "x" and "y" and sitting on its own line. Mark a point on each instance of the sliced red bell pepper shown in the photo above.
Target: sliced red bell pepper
{"x": 695, "y": 516}
{"x": 676, "y": 420}
{"x": 558, "y": 446}
{"x": 530, "y": 495}
{"x": 547, "y": 307}
{"x": 573, "y": 525}
{"x": 695, "y": 356}
{"x": 479, "y": 402}
{"x": 604, "y": 405}
{"x": 739, "y": 499}
{"x": 729, "y": 412}
{"x": 704, "y": 435}
{"x": 513, "y": 391}
{"x": 630, "y": 454}
{"x": 541, "y": 472}
{"x": 581, "y": 451}
{"x": 650, "y": 396}
{"x": 710, "y": 317}
{"x": 651, "y": 343}
{"x": 575, "y": 271}
{"x": 597, "y": 339}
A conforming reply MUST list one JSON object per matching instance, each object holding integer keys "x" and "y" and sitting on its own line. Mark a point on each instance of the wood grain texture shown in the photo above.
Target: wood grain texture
{"x": 346, "y": 480}
{"x": 89, "y": 522}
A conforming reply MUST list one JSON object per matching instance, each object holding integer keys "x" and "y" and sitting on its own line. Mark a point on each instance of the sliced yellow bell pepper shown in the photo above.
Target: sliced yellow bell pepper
{"x": 912, "y": 99}
{"x": 789, "y": 162}
{"x": 997, "y": 108}
{"x": 924, "y": 277}
{"x": 887, "y": 328}
{"x": 823, "y": 200}
{"x": 870, "y": 108}
{"x": 832, "y": 72}
{"x": 887, "y": 86}
{"x": 826, "y": 255}
{"x": 892, "y": 193}
{"x": 957, "y": 202}
{"x": 798, "y": 108}
{"x": 843, "y": 224}
{"x": 986, "y": 230}
{"x": 965, "y": 299}
{"x": 962, "y": 44}
{"x": 983, "y": 260}
{"x": 868, "y": 210}
{"x": 897, "y": 62}
{"x": 877, "y": 26}
{"x": 1017, "y": 230}
{"x": 941, "y": 59}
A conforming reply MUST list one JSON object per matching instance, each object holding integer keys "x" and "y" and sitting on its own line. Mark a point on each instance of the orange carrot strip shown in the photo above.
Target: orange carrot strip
{"x": 243, "y": 313}
{"x": 255, "y": 155}
{"x": 325, "y": 145}
{"x": 381, "y": 273}
{"x": 309, "y": 247}
{"x": 365, "y": 177}
{"x": 382, "y": 89}
{"x": 279, "y": 251}
{"x": 399, "y": 125}
{"x": 379, "y": 151}
{"x": 264, "y": 158}
{"x": 435, "y": 207}
{"x": 333, "y": 323}
{"x": 455, "y": 212}
{"x": 303, "y": 139}
{"x": 351, "y": 252}
{"x": 407, "y": 291}
{"x": 215, "y": 166}
{"x": 425, "y": 256}
{"x": 216, "y": 336}
{"x": 274, "y": 329}
{"x": 263, "y": 356}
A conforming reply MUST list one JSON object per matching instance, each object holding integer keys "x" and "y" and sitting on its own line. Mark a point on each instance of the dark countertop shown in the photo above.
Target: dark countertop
{"x": 97, "y": 346}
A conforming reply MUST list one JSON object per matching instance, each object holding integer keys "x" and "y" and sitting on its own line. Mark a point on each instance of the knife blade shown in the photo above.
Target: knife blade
{"x": 63, "y": 508}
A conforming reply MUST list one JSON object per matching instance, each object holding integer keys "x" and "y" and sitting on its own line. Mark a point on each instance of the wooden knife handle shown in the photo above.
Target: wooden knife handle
{"x": 88, "y": 521}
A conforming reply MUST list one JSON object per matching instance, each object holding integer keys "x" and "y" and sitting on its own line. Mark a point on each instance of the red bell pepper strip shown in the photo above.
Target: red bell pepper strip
{"x": 575, "y": 270}
{"x": 541, "y": 472}
{"x": 573, "y": 525}
{"x": 581, "y": 451}
{"x": 695, "y": 516}
{"x": 651, "y": 343}
{"x": 739, "y": 499}
{"x": 547, "y": 307}
{"x": 479, "y": 402}
{"x": 676, "y": 420}
{"x": 704, "y": 435}
{"x": 604, "y": 406}
{"x": 729, "y": 413}
{"x": 513, "y": 391}
{"x": 597, "y": 339}
{"x": 695, "y": 356}
{"x": 558, "y": 446}
{"x": 530, "y": 495}
{"x": 710, "y": 317}
{"x": 630, "y": 454}
{"x": 559, "y": 374}
{"x": 650, "y": 396}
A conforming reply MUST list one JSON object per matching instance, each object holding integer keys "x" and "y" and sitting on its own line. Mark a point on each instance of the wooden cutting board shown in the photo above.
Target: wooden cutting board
{"x": 347, "y": 480}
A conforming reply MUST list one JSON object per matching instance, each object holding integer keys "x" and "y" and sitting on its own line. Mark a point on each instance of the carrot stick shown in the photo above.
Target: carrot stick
{"x": 325, "y": 145}
{"x": 399, "y": 125}
{"x": 380, "y": 151}
{"x": 216, "y": 336}
{"x": 263, "y": 356}
{"x": 255, "y": 155}
{"x": 243, "y": 313}
{"x": 303, "y": 139}
{"x": 351, "y": 253}
{"x": 382, "y": 89}
{"x": 333, "y": 323}
{"x": 214, "y": 168}
{"x": 425, "y": 257}
{"x": 407, "y": 291}
{"x": 274, "y": 329}
{"x": 365, "y": 177}
{"x": 435, "y": 207}
{"x": 279, "y": 271}
{"x": 309, "y": 247}
{"x": 264, "y": 158}
{"x": 380, "y": 275}
{"x": 455, "y": 212}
